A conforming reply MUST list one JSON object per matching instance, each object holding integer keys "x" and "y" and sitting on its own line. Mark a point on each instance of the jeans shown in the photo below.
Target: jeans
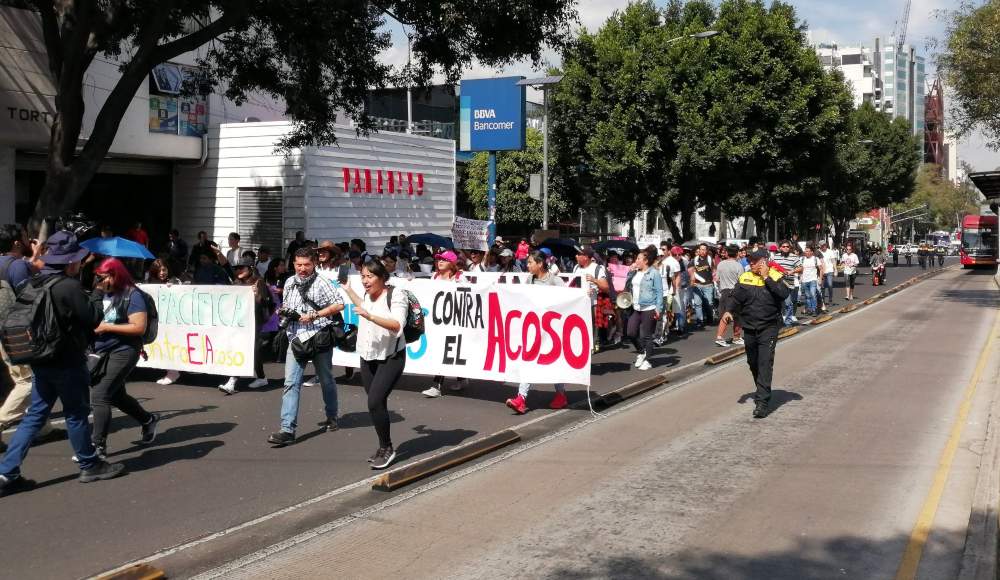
{"x": 293, "y": 388}
{"x": 702, "y": 298}
{"x": 828, "y": 286}
{"x": 788, "y": 309}
{"x": 760, "y": 357}
{"x": 809, "y": 290}
{"x": 71, "y": 385}
{"x": 680, "y": 309}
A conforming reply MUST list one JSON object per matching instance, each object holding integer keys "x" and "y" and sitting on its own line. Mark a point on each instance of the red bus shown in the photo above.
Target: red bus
{"x": 979, "y": 241}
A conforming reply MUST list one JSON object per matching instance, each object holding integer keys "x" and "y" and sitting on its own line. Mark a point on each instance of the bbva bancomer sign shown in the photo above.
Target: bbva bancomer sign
{"x": 491, "y": 115}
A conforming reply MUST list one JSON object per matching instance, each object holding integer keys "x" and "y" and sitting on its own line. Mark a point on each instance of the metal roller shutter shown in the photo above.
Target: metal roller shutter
{"x": 260, "y": 218}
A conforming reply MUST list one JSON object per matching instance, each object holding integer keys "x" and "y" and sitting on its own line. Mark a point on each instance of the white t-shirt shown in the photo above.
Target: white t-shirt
{"x": 375, "y": 342}
{"x": 668, "y": 267}
{"x": 850, "y": 262}
{"x": 597, "y": 271}
{"x": 810, "y": 269}
{"x": 830, "y": 259}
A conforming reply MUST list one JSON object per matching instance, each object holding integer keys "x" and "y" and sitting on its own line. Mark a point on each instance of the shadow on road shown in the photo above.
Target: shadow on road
{"x": 431, "y": 440}
{"x": 808, "y": 559}
{"x": 983, "y": 298}
{"x": 160, "y": 456}
{"x": 779, "y": 398}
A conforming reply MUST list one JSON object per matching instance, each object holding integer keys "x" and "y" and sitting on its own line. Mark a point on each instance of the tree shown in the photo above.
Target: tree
{"x": 320, "y": 57}
{"x": 946, "y": 201}
{"x": 970, "y": 65}
{"x": 515, "y": 208}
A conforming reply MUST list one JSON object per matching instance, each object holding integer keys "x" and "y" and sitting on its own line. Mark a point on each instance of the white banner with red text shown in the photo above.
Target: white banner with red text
{"x": 203, "y": 329}
{"x": 495, "y": 331}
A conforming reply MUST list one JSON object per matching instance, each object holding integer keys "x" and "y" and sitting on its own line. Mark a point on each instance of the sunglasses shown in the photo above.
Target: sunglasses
{"x": 102, "y": 277}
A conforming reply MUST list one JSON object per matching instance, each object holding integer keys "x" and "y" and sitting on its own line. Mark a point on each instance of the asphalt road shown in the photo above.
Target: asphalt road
{"x": 686, "y": 485}
{"x": 212, "y": 469}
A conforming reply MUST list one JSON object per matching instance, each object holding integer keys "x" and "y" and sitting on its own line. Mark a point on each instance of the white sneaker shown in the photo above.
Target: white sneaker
{"x": 738, "y": 341}
{"x": 639, "y": 360}
{"x": 311, "y": 382}
{"x": 794, "y": 320}
{"x": 432, "y": 393}
{"x": 229, "y": 387}
{"x": 721, "y": 342}
{"x": 169, "y": 378}
{"x": 645, "y": 366}
{"x": 258, "y": 384}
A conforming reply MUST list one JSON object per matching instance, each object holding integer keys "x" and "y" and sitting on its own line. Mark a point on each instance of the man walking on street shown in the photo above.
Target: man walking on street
{"x": 63, "y": 375}
{"x": 792, "y": 265}
{"x": 757, "y": 301}
{"x": 702, "y": 286}
{"x": 728, "y": 272}
{"x": 316, "y": 302}
{"x": 830, "y": 260}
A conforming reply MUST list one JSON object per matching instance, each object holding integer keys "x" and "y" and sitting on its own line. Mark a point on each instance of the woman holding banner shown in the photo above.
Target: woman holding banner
{"x": 115, "y": 352}
{"x": 446, "y": 264}
{"x": 539, "y": 275}
{"x": 381, "y": 348}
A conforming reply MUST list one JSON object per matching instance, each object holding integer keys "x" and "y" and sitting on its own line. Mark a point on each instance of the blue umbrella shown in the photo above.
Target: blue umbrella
{"x": 117, "y": 248}
{"x": 431, "y": 239}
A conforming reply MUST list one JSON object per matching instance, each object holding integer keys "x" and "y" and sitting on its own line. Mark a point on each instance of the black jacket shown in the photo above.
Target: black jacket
{"x": 757, "y": 301}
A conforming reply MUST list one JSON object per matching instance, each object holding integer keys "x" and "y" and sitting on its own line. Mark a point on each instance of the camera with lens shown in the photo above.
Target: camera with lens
{"x": 286, "y": 316}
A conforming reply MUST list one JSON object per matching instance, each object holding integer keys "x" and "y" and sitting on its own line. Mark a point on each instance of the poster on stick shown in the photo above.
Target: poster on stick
{"x": 495, "y": 331}
{"x": 469, "y": 234}
{"x": 203, "y": 329}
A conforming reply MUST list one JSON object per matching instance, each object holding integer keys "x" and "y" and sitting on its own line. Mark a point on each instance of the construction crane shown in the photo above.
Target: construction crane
{"x": 899, "y": 30}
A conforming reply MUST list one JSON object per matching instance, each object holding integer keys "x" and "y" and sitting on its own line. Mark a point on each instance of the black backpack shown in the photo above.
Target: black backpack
{"x": 31, "y": 332}
{"x": 414, "y": 327}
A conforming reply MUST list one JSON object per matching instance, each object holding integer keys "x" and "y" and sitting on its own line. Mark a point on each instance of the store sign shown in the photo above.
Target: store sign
{"x": 382, "y": 181}
{"x": 491, "y": 115}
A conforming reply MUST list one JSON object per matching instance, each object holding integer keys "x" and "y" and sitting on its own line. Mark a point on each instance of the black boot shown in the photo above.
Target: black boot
{"x": 760, "y": 411}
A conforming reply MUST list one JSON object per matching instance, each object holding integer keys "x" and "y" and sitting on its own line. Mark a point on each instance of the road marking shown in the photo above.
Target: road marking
{"x": 922, "y": 529}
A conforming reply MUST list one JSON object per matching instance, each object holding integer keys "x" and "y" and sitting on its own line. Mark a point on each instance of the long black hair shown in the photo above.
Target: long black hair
{"x": 377, "y": 268}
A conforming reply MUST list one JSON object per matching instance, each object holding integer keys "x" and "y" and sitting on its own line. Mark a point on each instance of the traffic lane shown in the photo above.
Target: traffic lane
{"x": 216, "y": 445}
{"x": 687, "y": 485}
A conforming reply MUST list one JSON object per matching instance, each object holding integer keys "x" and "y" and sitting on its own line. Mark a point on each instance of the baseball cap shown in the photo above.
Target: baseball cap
{"x": 506, "y": 253}
{"x": 447, "y": 256}
{"x": 677, "y": 250}
{"x": 759, "y": 255}
{"x": 773, "y": 247}
{"x": 545, "y": 251}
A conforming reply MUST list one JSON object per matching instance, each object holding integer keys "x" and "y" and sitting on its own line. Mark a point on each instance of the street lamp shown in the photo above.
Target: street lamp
{"x": 702, "y": 34}
{"x": 543, "y": 84}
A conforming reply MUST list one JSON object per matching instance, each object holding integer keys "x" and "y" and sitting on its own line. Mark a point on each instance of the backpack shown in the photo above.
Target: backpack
{"x": 31, "y": 332}
{"x": 152, "y": 316}
{"x": 7, "y": 294}
{"x": 414, "y": 327}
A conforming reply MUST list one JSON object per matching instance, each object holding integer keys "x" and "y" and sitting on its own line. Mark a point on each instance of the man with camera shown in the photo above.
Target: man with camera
{"x": 311, "y": 316}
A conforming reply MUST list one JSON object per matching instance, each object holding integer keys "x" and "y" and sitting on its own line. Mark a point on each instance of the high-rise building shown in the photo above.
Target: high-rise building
{"x": 893, "y": 81}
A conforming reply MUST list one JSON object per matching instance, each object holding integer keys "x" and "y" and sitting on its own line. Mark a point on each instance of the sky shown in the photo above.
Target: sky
{"x": 846, "y": 22}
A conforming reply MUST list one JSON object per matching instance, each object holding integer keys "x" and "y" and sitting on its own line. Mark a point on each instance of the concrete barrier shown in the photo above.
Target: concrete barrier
{"x": 424, "y": 468}
{"x": 136, "y": 572}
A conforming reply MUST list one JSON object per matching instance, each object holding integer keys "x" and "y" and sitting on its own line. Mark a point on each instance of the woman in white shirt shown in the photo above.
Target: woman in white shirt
{"x": 850, "y": 262}
{"x": 382, "y": 349}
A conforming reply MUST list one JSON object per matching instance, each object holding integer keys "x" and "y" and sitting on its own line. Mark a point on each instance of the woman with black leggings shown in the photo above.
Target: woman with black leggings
{"x": 382, "y": 349}
{"x": 116, "y": 348}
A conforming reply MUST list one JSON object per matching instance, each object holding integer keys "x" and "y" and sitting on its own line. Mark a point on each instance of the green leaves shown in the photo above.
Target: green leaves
{"x": 970, "y": 64}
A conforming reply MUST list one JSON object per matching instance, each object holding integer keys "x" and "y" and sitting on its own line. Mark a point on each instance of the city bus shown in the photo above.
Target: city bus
{"x": 979, "y": 241}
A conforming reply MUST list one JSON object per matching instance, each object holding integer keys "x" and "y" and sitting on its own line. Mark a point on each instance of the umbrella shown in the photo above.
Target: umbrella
{"x": 431, "y": 239}
{"x": 692, "y": 244}
{"x": 620, "y": 246}
{"x": 561, "y": 247}
{"x": 117, "y": 248}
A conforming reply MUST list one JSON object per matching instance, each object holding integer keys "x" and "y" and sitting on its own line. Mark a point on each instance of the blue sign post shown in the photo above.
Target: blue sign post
{"x": 491, "y": 119}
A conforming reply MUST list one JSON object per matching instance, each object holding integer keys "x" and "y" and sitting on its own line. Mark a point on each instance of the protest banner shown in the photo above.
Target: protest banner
{"x": 495, "y": 331}
{"x": 570, "y": 279}
{"x": 203, "y": 329}
{"x": 469, "y": 234}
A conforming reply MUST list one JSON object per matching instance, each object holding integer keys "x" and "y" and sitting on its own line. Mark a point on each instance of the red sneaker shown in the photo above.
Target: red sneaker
{"x": 559, "y": 401}
{"x": 517, "y": 404}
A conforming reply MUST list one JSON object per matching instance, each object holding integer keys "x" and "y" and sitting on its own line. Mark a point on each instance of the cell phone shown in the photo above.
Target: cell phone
{"x": 342, "y": 276}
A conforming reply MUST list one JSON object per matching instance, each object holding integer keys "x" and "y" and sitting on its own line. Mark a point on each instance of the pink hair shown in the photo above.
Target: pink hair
{"x": 118, "y": 271}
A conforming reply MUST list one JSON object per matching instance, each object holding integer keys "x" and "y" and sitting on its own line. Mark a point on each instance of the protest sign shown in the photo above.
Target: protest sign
{"x": 495, "y": 331}
{"x": 469, "y": 234}
{"x": 203, "y": 329}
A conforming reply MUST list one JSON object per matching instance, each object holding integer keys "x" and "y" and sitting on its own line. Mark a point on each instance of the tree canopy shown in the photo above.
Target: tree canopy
{"x": 319, "y": 57}
{"x": 970, "y": 65}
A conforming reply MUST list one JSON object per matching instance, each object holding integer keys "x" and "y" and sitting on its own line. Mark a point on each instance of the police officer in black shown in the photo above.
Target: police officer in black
{"x": 757, "y": 301}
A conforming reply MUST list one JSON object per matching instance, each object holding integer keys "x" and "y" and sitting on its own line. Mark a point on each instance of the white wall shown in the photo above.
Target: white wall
{"x": 242, "y": 155}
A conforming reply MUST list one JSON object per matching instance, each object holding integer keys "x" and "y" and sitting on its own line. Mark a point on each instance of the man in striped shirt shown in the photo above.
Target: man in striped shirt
{"x": 790, "y": 265}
